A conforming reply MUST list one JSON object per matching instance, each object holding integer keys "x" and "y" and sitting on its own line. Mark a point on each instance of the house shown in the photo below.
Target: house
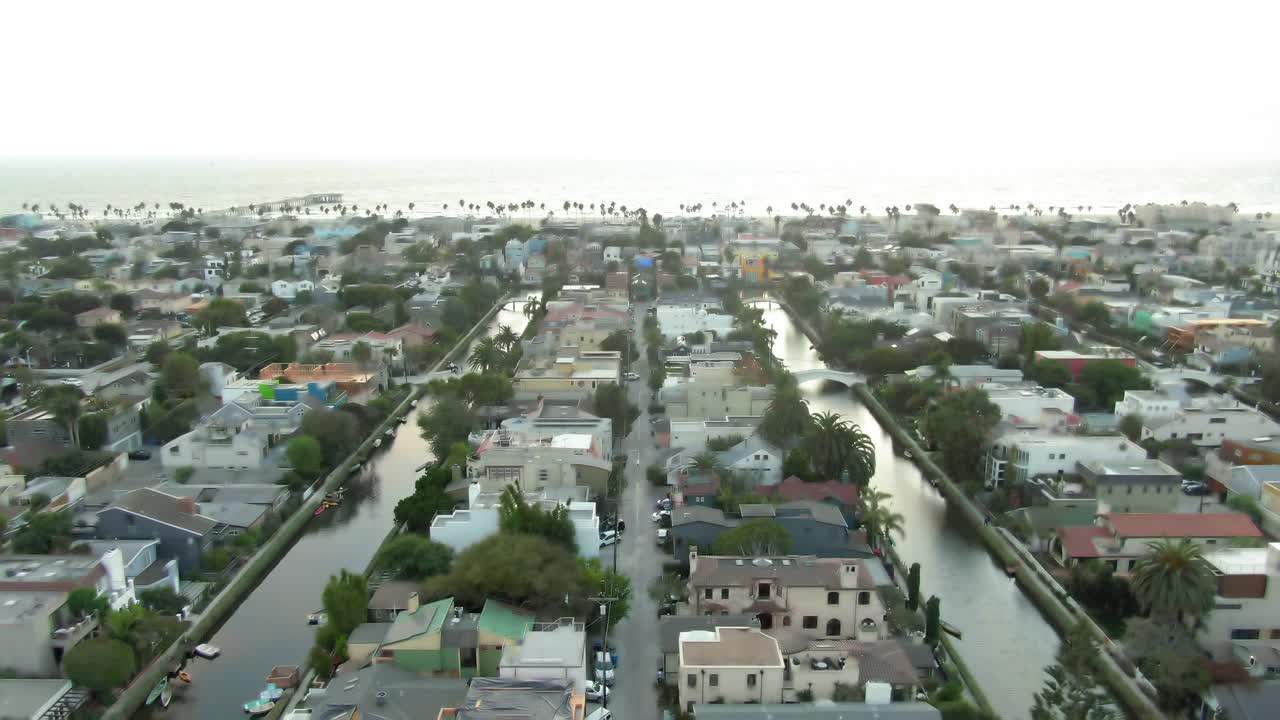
{"x": 413, "y": 336}
{"x": 146, "y": 514}
{"x": 815, "y": 597}
{"x": 289, "y": 289}
{"x": 162, "y": 303}
{"x": 143, "y": 567}
{"x": 970, "y": 375}
{"x": 359, "y": 385}
{"x": 548, "y": 418}
{"x": 731, "y": 666}
{"x": 1150, "y": 405}
{"x": 36, "y": 630}
{"x": 504, "y": 699}
{"x": 815, "y": 528}
{"x": 1210, "y": 427}
{"x": 1133, "y": 486}
{"x": 1029, "y": 401}
{"x": 59, "y": 492}
{"x": 227, "y": 439}
{"x": 383, "y": 347}
{"x": 825, "y": 710}
{"x": 389, "y": 599}
{"x": 548, "y": 651}
{"x": 1246, "y": 609}
{"x": 441, "y": 638}
{"x": 463, "y": 528}
{"x": 1018, "y": 456}
{"x": 97, "y": 316}
{"x": 671, "y": 627}
{"x": 579, "y": 372}
{"x": 1076, "y": 362}
{"x": 691, "y": 435}
{"x": 755, "y": 460}
{"x": 537, "y": 462}
{"x": 35, "y": 699}
{"x": 840, "y": 494}
{"x": 1119, "y": 539}
{"x": 386, "y": 692}
{"x": 680, "y": 314}
{"x": 38, "y": 425}
{"x": 704, "y": 400}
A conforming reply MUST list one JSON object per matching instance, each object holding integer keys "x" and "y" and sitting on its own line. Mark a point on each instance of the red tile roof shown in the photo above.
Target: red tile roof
{"x": 1190, "y": 525}
{"x": 413, "y": 330}
{"x": 1077, "y": 541}
{"x": 700, "y": 489}
{"x": 793, "y": 488}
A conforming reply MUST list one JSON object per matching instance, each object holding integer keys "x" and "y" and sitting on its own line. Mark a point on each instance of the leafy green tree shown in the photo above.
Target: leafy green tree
{"x": 1168, "y": 655}
{"x": 450, "y": 420}
{"x": 1073, "y": 690}
{"x": 122, "y": 302}
{"x": 610, "y": 401}
{"x": 1173, "y": 581}
{"x": 338, "y": 433}
{"x": 163, "y": 601}
{"x": 1131, "y": 427}
{"x": 65, "y": 402}
{"x": 840, "y": 448}
{"x": 112, "y": 334}
{"x": 761, "y": 536}
{"x": 1049, "y": 373}
{"x": 1247, "y": 505}
{"x": 913, "y": 587}
{"x": 157, "y": 351}
{"x": 1096, "y": 314}
{"x": 515, "y": 515}
{"x": 221, "y": 312}
{"x": 787, "y": 417}
{"x": 600, "y": 581}
{"x": 414, "y": 557}
{"x": 93, "y": 430}
{"x": 305, "y": 455}
{"x": 1039, "y": 288}
{"x": 86, "y": 601}
{"x": 428, "y": 499}
{"x": 523, "y": 570}
{"x": 44, "y": 533}
{"x": 1037, "y": 336}
{"x": 100, "y": 664}
{"x": 959, "y": 423}
{"x": 932, "y": 621}
{"x": 486, "y": 356}
{"x": 1108, "y": 379}
{"x": 346, "y": 601}
{"x": 180, "y": 375}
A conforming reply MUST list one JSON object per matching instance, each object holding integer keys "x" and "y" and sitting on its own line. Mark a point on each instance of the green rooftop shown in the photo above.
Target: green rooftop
{"x": 502, "y": 619}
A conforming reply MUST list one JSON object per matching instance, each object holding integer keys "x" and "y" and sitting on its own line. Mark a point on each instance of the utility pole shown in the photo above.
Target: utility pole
{"x": 604, "y": 652}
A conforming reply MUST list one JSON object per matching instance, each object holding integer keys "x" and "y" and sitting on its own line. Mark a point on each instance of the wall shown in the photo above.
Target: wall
{"x": 732, "y": 685}
{"x": 25, "y": 647}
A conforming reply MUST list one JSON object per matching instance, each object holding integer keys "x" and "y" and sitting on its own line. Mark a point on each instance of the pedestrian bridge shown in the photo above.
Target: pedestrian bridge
{"x": 848, "y": 379}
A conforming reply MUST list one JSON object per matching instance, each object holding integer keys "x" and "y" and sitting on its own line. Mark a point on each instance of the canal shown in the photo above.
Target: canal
{"x": 1007, "y": 643}
{"x": 270, "y": 627}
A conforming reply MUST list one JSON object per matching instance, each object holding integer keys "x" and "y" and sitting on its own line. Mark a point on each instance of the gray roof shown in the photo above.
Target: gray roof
{"x": 1249, "y": 702}
{"x": 163, "y": 508}
{"x": 823, "y": 711}
{"x": 241, "y": 515}
{"x": 502, "y": 699}
{"x": 408, "y": 696}
{"x": 252, "y": 493}
{"x": 1249, "y": 479}
{"x": 368, "y": 633}
{"x": 670, "y": 627}
{"x": 24, "y": 698}
{"x": 129, "y": 549}
{"x": 749, "y": 446}
{"x": 393, "y": 595}
{"x": 687, "y": 514}
{"x": 820, "y": 511}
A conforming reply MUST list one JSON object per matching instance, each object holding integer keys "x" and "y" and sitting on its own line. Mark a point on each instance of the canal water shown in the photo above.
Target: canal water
{"x": 270, "y": 627}
{"x": 1007, "y": 643}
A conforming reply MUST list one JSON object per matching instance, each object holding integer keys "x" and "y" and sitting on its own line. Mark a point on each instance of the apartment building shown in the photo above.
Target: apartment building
{"x": 1029, "y": 401}
{"x": 1133, "y": 486}
{"x": 1210, "y": 427}
{"x": 1151, "y": 405}
{"x": 580, "y": 372}
{"x": 698, "y": 400}
{"x": 816, "y": 597}
{"x": 1245, "y": 622}
{"x": 1018, "y": 456}
{"x": 538, "y": 462}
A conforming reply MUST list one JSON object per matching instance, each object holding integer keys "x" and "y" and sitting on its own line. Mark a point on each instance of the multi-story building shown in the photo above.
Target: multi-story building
{"x": 236, "y": 436}
{"x": 1029, "y": 401}
{"x": 549, "y": 418}
{"x": 692, "y": 435}
{"x": 360, "y": 385}
{"x": 1210, "y": 427}
{"x": 1152, "y": 405}
{"x": 1133, "y": 486}
{"x": 683, "y": 313}
{"x": 554, "y": 651}
{"x": 730, "y": 665}
{"x": 539, "y": 462}
{"x": 1017, "y": 456}
{"x": 383, "y": 348}
{"x": 1120, "y": 539}
{"x": 695, "y": 400}
{"x": 579, "y": 373}
{"x": 815, "y": 597}
{"x": 146, "y": 514}
{"x": 465, "y": 527}
{"x": 1245, "y": 621}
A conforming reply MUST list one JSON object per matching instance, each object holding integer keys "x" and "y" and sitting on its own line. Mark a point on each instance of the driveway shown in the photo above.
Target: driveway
{"x": 640, "y": 558}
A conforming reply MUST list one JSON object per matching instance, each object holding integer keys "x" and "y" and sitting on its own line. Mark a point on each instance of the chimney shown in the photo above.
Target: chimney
{"x": 413, "y": 603}
{"x": 188, "y": 505}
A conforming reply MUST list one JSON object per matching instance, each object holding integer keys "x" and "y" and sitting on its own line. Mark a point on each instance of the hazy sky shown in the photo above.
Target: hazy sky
{"x": 954, "y": 82}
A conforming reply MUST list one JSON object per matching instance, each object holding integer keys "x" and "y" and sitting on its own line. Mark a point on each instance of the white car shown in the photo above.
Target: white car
{"x": 662, "y": 536}
{"x": 605, "y": 671}
{"x": 609, "y": 537}
{"x": 596, "y": 691}
{"x": 631, "y": 376}
{"x": 657, "y": 516}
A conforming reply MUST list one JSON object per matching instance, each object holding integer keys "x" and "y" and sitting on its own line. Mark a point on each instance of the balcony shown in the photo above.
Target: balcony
{"x": 67, "y": 636}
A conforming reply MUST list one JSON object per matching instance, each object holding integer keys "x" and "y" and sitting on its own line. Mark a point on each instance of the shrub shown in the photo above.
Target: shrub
{"x": 183, "y": 474}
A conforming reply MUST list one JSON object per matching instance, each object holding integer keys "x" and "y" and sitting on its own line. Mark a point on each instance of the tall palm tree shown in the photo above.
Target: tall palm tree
{"x": 486, "y": 355}
{"x": 1174, "y": 580}
{"x": 706, "y": 461}
{"x": 878, "y": 520}
{"x": 64, "y": 402}
{"x": 840, "y": 448}
{"x": 507, "y": 337}
{"x": 787, "y": 417}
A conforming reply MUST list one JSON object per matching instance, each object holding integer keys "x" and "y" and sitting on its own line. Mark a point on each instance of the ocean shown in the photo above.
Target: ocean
{"x": 657, "y": 185}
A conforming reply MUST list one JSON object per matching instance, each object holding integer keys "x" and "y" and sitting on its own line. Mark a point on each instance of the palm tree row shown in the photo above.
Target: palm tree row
{"x": 496, "y": 352}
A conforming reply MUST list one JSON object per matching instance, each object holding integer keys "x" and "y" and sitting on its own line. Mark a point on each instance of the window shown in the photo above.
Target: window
{"x": 864, "y": 598}
{"x": 707, "y": 594}
{"x": 713, "y": 680}
{"x": 1217, "y": 421}
{"x": 751, "y": 680}
{"x": 1245, "y": 634}
{"x": 692, "y": 680}
{"x": 833, "y": 598}
{"x": 763, "y": 592}
{"x": 786, "y": 621}
{"x": 1275, "y": 633}
{"x": 810, "y": 622}
{"x": 724, "y": 593}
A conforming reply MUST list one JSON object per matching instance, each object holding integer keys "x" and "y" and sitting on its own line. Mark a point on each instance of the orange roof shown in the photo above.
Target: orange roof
{"x": 1189, "y": 525}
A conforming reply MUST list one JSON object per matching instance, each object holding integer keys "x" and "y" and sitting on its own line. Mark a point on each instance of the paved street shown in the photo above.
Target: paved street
{"x": 639, "y": 556}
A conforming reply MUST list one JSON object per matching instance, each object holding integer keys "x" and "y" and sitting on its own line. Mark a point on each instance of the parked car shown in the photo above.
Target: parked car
{"x": 139, "y": 454}
{"x": 631, "y": 376}
{"x": 596, "y": 691}
{"x": 663, "y": 534}
{"x": 664, "y": 504}
{"x": 605, "y": 664}
{"x": 609, "y": 537}
{"x": 657, "y": 516}
{"x": 1195, "y": 489}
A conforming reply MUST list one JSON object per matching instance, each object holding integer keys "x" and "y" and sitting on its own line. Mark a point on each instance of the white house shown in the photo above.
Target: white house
{"x": 1246, "y": 611}
{"x": 1018, "y": 456}
{"x": 692, "y": 434}
{"x": 1028, "y": 400}
{"x": 1208, "y": 427}
{"x": 1151, "y": 405}
{"x": 689, "y": 313}
{"x": 755, "y": 460}
{"x": 548, "y": 651}
{"x": 461, "y": 529}
{"x": 289, "y": 289}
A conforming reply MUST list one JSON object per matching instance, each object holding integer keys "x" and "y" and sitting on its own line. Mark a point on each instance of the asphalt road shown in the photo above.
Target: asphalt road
{"x": 639, "y": 557}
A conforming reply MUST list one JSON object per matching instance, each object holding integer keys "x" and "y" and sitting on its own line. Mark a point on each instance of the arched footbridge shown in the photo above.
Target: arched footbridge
{"x": 848, "y": 379}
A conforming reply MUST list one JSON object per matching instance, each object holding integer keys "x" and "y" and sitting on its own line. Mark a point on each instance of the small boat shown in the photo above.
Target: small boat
{"x": 413, "y": 403}
{"x": 952, "y": 630}
{"x": 907, "y": 454}
{"x": 184, "y": 676}
{"x": 390, "y": 432}
{"x": 317, "y": 618}
{"x": 377, "y": 443}
{"x": 259, "y": 707}
{"x": 161, "y": 692}
{"x": 207, "y": 651}
{"x": 422, "y": 467}
{"x": 320, "y": 510}
{"x": 403, "y": 419}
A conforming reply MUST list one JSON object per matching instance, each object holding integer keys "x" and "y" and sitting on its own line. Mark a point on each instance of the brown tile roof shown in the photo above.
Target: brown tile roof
{"x": 793, "y": 488}
{"x": 1078, "y": 541}
{"x": 791, "y": 570}
{"x": 1191, "y": 525}
{"x": 731, "y": 647}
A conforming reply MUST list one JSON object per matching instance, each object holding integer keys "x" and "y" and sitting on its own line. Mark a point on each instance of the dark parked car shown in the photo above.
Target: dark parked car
{"x": 1195, "y": 489}
{"x": 139, "y": 454}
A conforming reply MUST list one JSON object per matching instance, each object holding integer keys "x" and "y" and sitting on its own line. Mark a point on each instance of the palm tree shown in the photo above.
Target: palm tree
{"x": 706, "y": 461}
{"x": 486, "y": 355}
{"x": 63, "y": 401}
{"x": 1173, "y": 580}
{"x": 507, "y": 337}
{"x": 840, "y": 448}
{"x": 878, "y": 520}
{"x": 787, "y": 416}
